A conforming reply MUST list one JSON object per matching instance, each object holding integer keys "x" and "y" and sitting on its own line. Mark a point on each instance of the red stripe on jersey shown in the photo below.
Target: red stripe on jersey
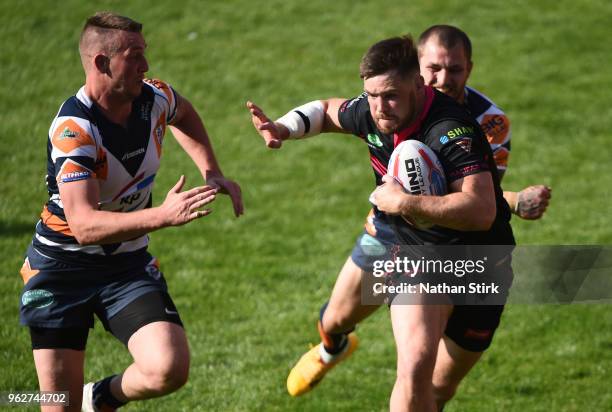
{"x": 132, "y": 183}
{"x": 378, "y": 166}
{"x": 416, "y": 125}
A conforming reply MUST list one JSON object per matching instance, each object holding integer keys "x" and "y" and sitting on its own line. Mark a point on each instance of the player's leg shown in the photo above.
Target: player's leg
{"x": 338, "y": 319}
{"x": 161, "y": 361}
{"x": 417, "y": 329}
{"x": 151, "y": 329}
{"x": 59, "y": 355}
{"x": 452, "y": 364}
{"x": 469, "y": 332}
{"x": 345, "y": 308}
{"x": 55, "y": 306}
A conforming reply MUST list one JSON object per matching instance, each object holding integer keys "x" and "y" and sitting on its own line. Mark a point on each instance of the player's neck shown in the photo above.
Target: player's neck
{"x": 116, "y": 108}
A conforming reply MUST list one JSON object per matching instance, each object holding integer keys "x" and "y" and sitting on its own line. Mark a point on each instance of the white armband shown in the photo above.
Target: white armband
{"x": 304, "y": 121}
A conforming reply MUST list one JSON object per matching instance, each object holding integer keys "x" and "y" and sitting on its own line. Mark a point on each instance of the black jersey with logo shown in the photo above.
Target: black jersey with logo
{"x": 454, "y": 136}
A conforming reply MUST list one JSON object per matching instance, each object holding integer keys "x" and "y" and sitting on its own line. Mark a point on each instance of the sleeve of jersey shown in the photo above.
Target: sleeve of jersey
{"x": 73, "y": 149}
{"x": 168, "y": 97}
{"x": 460, "y": 149}
{"x": 353, "y": 115}
{"x": 496, "y": 127}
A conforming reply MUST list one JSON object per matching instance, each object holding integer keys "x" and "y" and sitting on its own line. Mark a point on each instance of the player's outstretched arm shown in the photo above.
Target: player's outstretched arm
{"x": 530, "y": 203}
{"x": 319, "y": 116}
{"x": 92, "y": 226}
{"x": 470, "y": 205}
{"x": 189, "y": 130}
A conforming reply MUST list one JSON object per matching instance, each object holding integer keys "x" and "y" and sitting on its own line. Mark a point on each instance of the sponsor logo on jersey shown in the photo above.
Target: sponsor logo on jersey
{"x": 71, "y": 172}
{"x": 74, "y": 176}
{"x": 495, "y": 127}
{"x": 68, "y": 134}
{"x": 444, "y": 139}
{"x": 374, "y": 140}
{"x": 128, "y": 200}
{"x": 37, "y": 298}
{"x": 132, "y": 154}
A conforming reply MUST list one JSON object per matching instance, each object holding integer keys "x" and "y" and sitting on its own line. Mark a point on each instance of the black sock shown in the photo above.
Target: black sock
{"x": 102, "y": 394}
{"x": 333, "y": 343}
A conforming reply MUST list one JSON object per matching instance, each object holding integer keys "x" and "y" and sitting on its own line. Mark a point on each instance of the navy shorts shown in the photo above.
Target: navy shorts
{"x": 61, "y": 295}
{"x": 470, "y": 326}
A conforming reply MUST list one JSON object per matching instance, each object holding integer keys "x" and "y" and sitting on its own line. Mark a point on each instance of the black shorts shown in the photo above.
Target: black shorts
{"x": 472, "y": 326}
{"x": 148, "y": 308}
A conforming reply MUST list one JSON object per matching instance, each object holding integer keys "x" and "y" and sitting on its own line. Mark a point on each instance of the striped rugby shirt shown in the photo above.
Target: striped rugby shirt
{"x": 84, "y": 144}
{"x": 494, "y": 124}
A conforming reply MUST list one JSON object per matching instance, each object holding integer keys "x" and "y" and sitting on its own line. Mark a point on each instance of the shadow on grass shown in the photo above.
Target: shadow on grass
{"x": 15, "y": 229}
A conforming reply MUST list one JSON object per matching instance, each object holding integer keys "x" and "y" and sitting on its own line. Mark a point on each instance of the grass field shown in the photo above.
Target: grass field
{"x": 249, "y": 289}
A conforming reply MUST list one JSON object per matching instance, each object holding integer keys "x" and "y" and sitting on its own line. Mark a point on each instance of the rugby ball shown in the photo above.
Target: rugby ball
{"x": 417, "y": 168}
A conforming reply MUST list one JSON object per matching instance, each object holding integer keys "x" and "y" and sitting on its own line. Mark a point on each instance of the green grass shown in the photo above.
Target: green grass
{"x": 249, "y": 289}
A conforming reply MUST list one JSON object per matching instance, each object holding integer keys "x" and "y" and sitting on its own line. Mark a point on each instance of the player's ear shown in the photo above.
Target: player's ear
{"x": 102, "y": 63}
{"x": 469, "y": 67}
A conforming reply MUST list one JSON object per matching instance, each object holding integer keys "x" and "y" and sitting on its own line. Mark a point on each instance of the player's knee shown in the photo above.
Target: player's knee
{"x": 444, "y": 392}
{"x": 167, "y": 375}
{"x": 415, "y": 374}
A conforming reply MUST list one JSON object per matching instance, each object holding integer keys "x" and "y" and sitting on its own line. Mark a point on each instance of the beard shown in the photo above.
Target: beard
{"x": 389, "y": 124}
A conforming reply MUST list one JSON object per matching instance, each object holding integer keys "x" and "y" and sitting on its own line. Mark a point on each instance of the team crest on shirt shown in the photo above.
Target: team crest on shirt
{"x": 465, "y": 144}
{"x": 158, "y": 133}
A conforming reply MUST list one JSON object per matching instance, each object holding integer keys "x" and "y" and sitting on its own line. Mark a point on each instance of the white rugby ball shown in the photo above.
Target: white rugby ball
{"x": 418, "y": 169}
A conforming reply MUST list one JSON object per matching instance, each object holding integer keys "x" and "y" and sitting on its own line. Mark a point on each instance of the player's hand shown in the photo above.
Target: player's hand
{"x": 533, "y": 201}
{"x": 272, "y": 133}
{"x": 183, "y": 207}
{"x": 390, "y": 197}
{"x": 228, "y": 187}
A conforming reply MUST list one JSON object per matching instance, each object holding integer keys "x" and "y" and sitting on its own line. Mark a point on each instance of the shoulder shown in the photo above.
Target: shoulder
{"x": 354, "y": 115}
{"x": 494, "y": 122}
{"x": 161, "y": 88}
{"x": 447, "y": 115}
{"x": 72, "y": 126}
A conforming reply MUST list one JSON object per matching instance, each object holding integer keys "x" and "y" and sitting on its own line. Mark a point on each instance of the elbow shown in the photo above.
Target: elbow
{"x": 82, "y": 233}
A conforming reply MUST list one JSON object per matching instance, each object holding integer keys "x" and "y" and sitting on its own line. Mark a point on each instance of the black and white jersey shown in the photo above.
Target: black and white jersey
{"x": 454, "y": 136}
{"x": 122, "y": 160}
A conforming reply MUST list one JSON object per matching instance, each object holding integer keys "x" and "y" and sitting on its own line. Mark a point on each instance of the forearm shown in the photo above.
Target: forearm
{"x": 191, "y": 135}
{"x": 459, "y": 211}
{"x": 310, "y": 119}
{"x": 98, "y": 227}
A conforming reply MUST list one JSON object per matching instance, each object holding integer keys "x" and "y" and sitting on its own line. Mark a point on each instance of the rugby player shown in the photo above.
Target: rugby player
{"x": 89, "y": 253}
{"x": 436, "y": 344}
{"x": 445, "y": 58}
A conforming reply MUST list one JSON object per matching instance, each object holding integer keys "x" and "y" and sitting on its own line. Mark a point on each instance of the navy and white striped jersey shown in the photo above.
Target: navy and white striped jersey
{"x": 494, "y": 124}
{"x": 123, "y": 160}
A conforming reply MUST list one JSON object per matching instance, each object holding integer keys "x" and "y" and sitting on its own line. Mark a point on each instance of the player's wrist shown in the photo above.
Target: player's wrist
{"x": 512, "y": 200}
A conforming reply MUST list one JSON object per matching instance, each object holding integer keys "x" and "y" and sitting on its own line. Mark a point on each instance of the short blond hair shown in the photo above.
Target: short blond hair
{"x": 100, "y": 30}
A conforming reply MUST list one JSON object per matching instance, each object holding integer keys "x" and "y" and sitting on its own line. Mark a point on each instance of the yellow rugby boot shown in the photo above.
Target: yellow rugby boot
{"x": 310, "y": 369}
